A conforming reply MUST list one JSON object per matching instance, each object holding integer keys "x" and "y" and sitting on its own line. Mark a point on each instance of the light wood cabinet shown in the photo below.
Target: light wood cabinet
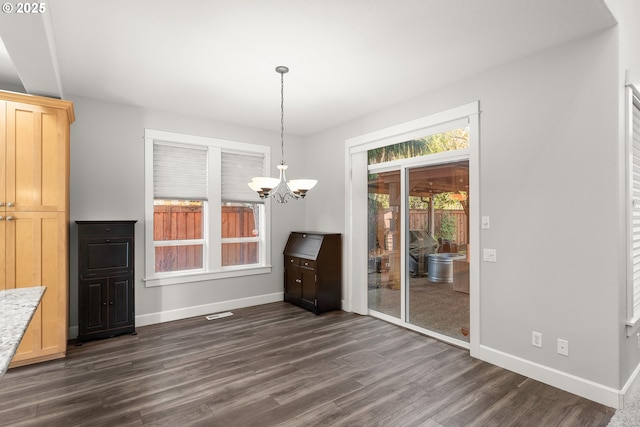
{"x": 34, "y": 215}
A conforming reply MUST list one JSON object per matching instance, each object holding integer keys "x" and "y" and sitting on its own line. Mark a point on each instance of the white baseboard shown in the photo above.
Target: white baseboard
{"x": 579, "y": 386}
{"x": 631, "y": 384}
{"x": 204, "y": 309}
{"x": 198, "y": 310}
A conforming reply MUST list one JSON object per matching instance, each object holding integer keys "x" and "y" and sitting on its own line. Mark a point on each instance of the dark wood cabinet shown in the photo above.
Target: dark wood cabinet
{"x": 106, "y": 299}
{"x": 313, "y": 271}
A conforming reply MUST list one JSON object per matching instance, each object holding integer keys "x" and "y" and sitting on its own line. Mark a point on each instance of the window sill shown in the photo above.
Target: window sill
{"x": 177, "y": 279}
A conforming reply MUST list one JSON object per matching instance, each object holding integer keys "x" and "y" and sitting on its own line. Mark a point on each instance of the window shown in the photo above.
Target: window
{"x": 633, "y": 173}
{"x": 202, "y": 220}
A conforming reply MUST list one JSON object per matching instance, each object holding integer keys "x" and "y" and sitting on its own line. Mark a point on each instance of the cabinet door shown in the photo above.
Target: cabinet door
{"x": 3, "y": 154}
{"x": 92, "y": 307}
{"x": 3, "y": 253}
{"x": 105, "y": 256}
{"x": 37, "y": 158}
{"x": 35, "y": 248}
{"x": 309, "y": 293}
{"x": 293, "y": 285}
{"x": 121, "y": 309}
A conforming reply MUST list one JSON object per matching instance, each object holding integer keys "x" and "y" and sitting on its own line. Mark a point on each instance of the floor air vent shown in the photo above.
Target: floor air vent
{"x": 219, "y": 315}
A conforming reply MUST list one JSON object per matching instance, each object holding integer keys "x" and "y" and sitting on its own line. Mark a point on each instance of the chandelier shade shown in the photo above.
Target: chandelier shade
{"x": 278, "y": 188}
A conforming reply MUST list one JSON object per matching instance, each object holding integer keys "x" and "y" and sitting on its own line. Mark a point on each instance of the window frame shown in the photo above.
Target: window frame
{"x": 212, "y": 268}
{"x": 632, "y": 100}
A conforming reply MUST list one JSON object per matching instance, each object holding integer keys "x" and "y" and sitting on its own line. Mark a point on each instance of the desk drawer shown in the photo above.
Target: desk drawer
{"x": 307, "y": 263}
{"x": 291, "y": 260}
{"x": 105, "y": 230}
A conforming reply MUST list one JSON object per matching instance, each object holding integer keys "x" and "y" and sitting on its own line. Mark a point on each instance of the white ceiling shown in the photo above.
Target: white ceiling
{"x": 215, "y": 59}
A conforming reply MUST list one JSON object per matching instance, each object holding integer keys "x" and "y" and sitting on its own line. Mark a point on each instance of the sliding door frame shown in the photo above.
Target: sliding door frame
{"x": 355, "y": 298}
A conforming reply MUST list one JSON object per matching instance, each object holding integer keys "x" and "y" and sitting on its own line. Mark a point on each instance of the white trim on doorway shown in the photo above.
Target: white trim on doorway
{"x": 356, "y": 201}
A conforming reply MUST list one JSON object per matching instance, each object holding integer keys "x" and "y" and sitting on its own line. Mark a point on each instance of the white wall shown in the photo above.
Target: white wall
{"x": 107, "y": 183}
{"x": 549, "y": 172}
{"x": 627, "y": 13}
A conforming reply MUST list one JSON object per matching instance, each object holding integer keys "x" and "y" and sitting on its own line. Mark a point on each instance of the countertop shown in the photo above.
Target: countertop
{"x": 16, "y": 310}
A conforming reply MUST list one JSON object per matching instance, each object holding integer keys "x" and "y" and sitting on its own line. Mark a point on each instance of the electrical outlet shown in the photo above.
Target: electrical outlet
{"x": 563, "y": 347}
{"x": 536, "y": 339}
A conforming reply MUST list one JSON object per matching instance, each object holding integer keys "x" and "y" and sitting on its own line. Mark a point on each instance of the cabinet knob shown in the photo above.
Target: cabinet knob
{"x": 290, "y": 260}
{"x": 104, "y": 304}
{"x": 108, "y": 241}
{"x": 107, "y": 230}
{"x": 10, "y": 204}
{"x": 110, "y": 302}
{"x": 1, "y": 217}
{"x": 306, "y": 264}
{"x": 298, "y": 280}
{"x": 1, "y": 204}
{"x": 9, "y": 218}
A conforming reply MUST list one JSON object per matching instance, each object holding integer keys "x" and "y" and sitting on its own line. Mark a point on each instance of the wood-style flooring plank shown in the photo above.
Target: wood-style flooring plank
{"x": 279, "y": 365}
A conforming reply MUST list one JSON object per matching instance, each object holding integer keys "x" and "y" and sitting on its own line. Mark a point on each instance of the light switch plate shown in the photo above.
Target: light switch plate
{"x": 486, "y": 223}
{"x": 489, "y": 255}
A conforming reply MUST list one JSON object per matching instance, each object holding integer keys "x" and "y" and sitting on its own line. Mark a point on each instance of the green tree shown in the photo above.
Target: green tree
{"x": 445, "y": 141}
{"x": 447, "y": 226}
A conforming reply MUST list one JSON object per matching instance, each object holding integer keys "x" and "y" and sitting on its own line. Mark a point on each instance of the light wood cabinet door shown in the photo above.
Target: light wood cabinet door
{"x": 3, "y": 260}
{"x": 36, "y": 158}
{"x": 33, "y": 244}
{"x": 3, "y": 154}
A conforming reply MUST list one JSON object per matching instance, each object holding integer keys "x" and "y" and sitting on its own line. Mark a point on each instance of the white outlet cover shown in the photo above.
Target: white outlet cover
{"x": 563, "y": 347}
{"x": 536, "y": 339}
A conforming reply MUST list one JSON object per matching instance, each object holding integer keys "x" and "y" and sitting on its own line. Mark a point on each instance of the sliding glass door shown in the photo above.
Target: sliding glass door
{"x": 418, "y": 234}
{"x": 436, "y": 248}
{"x": 384, "y": 267}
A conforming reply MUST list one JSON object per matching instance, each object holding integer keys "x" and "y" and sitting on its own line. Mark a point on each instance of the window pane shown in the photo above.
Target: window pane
{"x": 240, "y": 220}
{"x": 177, "y": 219}
{"x": 240, "y": 253}
{"x": 384, "y": 216}
{"x": 446, "y": 141}
{"x": 177, "y": 258}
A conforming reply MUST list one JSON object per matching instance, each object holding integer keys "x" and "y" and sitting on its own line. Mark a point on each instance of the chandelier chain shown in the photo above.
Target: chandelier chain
{"x": 282, "y": 118}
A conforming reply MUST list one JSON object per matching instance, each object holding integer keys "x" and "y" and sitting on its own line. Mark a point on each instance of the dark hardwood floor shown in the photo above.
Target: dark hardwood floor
{"x": 277, "y": 364}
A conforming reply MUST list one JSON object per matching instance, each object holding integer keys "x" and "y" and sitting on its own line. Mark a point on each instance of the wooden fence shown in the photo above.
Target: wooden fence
{"x": 185, "y": 222}
{"x": 176, "y": 222}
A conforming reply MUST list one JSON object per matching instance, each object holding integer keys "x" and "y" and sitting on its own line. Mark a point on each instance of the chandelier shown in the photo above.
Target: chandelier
{"x": 278, "y": 188}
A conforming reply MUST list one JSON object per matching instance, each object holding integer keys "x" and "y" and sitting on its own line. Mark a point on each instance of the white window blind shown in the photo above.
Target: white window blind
{"x": 635, "y": 205}
{"x": 237, "y": 171}
{"x": 179, "y": 172}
